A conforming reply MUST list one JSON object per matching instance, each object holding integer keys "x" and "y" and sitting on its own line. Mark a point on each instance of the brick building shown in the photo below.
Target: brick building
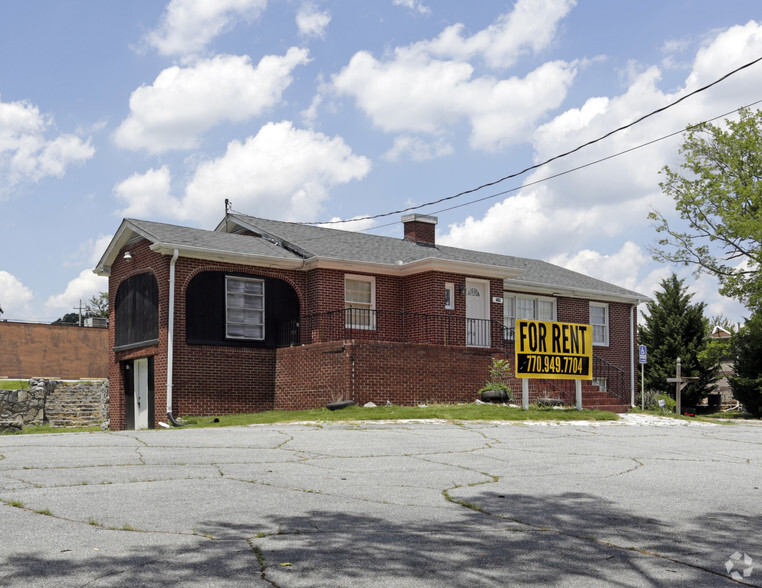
{"x": 261, "y": 314}
{"x": 29, "y": 350}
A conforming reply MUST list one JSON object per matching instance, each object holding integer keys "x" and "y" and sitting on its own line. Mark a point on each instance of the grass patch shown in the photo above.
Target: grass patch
{"x": 14, "y": 384}
{"x": 45, "y": 429}
{"x": 447, "y": 412}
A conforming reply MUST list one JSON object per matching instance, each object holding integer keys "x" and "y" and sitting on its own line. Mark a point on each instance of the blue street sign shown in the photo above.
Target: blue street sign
{"x": 643, "y": 353}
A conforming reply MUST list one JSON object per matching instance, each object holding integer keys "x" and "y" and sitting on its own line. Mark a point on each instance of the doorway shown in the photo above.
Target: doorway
{"x": 139, "y": 393}
{"x": 477, "y": 313}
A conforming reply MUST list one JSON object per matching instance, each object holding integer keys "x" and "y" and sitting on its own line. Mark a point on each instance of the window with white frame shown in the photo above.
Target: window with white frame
{"x": 599, "y": 319}
{"x": 244, "y": 308}
{"x": 359, "y": 302}
{"x": 521, "y": 306}
{"x": 449, "y": 296}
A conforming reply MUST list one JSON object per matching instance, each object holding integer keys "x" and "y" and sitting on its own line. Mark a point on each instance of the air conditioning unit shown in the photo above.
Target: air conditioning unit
{"x": 96, "y": 321}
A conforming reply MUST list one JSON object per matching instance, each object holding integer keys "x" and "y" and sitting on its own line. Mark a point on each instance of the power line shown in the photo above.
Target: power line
{"x": 547, "y": 161}
{"x": 539, "y": 181}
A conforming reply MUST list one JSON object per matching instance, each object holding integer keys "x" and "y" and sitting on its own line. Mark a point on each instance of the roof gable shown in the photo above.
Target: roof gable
{"x": 289, "y": 245}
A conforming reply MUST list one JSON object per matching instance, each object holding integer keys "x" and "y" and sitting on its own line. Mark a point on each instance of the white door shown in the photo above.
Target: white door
{"x": 141, "y": 393}
{"x": 477, "y": 313}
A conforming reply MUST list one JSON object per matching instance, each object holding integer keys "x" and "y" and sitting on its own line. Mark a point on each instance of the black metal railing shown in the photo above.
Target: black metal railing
{"x": 610, "y": 378}
{"x": 394, "y": 326}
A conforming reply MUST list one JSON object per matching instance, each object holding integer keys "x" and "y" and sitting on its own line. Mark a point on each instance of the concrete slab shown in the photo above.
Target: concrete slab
{"x": 633, "y": 503}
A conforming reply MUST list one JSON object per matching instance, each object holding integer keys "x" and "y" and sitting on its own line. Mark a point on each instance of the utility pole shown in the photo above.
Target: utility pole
{"x": 80, "y": 311}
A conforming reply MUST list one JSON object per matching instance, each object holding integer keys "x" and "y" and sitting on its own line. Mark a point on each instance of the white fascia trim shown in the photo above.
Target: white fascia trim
{"x": 123, "y": 235}
{"x": 414, "y": 267}
{"x": 226, "y": 256}
{"x": 532, "y": 288}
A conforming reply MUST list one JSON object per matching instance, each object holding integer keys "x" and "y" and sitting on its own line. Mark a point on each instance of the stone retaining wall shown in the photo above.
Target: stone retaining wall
{"x": 55, "y": 402}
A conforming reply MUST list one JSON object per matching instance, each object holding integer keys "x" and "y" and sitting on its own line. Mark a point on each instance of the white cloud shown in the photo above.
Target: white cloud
{"x": 311, "y": 21}
{"x": 529, "y": 28}
{"x": 416, "y": 96}
{"x": 15, "y": 298}
{"x": 82, "y": 288}
{"x": 417, "y": 149}
{"x": 188, "y": 26}
{"x": 430, "y": 86}
{"x": 27, "y": 151}
{"x": 182, "y": 103}
{"x": 612, "y": 197}
{"x": 414, "y": 5}
{"x": 282, "y": 172}
{"x": 147, "y": 194}
{"x": 520, "y": 225}
{"x": 621, "y": 267}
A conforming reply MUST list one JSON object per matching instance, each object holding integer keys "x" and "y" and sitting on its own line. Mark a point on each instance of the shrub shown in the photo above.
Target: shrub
{"x": 499, "y": 373}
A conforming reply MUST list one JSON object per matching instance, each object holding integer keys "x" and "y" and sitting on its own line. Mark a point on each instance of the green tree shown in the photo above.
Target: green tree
{"x": 746, "y": 350}
{"x": 676, "y": 328}
{"x": 717, "y": 350}
{"x": 98, "y": 306}
{"x": 718, "y": 194}
{"x": 70, "y": 318}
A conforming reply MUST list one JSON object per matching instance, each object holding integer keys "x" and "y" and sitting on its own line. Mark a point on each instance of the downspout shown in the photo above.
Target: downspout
{"x": 171, "y": 337}
{"x": 632, "y": 352}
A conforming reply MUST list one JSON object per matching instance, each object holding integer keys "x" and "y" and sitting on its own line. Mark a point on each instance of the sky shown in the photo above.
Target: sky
{"x": 315, "y": 111}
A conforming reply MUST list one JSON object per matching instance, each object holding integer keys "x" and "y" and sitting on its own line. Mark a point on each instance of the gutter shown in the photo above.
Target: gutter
{"x": 633, "y": 318}
{"x": 171, "y": 336}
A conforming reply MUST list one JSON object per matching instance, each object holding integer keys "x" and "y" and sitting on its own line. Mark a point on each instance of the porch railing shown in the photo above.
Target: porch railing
{"x": 394, "y": 326}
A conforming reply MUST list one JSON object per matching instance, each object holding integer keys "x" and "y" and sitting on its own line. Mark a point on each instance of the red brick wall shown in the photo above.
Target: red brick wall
{"x": 621, "y": 344}
{"x": 52, "y": 351}
{"x": 206, "y": 379}
{"x": 143, "y": 260}
{"x": 401, "y": 373}
{"x": 219, "y": 379}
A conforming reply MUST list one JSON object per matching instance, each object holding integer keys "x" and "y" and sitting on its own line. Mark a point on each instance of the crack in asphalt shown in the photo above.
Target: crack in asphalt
{"x": 317, "y": 459}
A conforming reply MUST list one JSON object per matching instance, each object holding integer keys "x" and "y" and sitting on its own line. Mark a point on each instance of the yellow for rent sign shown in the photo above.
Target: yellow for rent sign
{"x": 547, "y": 349}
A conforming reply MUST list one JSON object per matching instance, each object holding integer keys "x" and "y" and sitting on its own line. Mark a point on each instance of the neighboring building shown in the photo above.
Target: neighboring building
{"x": 261, "y": 314}
{"x": 722, "y": 386}
{"x": 31, "y": 350}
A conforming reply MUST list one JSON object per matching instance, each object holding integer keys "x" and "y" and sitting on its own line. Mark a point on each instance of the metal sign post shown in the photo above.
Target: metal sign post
{"x": 643, "y": 355}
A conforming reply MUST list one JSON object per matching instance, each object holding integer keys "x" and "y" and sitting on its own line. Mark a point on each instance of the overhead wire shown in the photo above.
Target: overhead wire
{"x": 561, "y": 173}
{"x": 547, "y": 161}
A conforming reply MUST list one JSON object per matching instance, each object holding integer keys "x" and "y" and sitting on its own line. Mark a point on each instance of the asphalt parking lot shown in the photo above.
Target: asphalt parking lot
{"x": 634, "y": 503}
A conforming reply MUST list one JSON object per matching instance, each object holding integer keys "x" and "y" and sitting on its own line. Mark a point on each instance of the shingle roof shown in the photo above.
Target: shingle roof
{"x": 289, "y": 244}
{"x": 187, "y": 237}
{"x": 321, "y": 242}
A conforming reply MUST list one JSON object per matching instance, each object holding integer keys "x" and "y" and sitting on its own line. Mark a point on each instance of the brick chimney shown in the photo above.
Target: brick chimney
{"x": 419, "y": 228}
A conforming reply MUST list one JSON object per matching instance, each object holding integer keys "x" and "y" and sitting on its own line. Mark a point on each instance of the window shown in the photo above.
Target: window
{"x": 244, "y": 308}
{"x": 137, "y": 312}
{"x": 599, "y": 318}
{"x": 526, "y": 307}
{"x": 450, "y": 296}
{"x": 359, "y": 302}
